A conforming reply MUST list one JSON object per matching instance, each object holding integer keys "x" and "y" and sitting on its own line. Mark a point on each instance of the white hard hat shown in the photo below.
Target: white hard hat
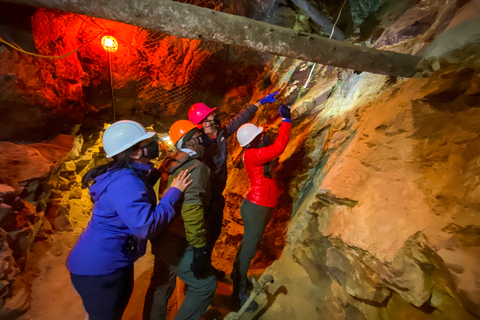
{"x": 247, "y": 132}
{"x": 122, "y": 135}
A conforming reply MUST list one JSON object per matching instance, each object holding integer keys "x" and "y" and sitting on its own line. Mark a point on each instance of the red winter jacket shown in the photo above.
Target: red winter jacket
{"x": 264, "y": 191}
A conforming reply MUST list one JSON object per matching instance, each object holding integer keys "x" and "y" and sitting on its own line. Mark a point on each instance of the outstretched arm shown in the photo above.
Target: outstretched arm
{"x": 263, "y": 155}
{"x": 246, "y": 114}
{"x": 135, "y": 208}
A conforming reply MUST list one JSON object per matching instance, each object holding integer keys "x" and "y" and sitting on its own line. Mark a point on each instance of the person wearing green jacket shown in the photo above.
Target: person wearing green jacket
{"x": 181, "y": 250}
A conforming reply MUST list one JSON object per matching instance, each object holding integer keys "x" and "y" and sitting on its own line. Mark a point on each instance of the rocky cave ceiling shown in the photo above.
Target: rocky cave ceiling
{"x": 155, "y": 76}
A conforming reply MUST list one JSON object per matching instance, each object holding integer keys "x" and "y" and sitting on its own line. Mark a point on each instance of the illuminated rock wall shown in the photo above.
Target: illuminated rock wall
{"x": 385, "y": 211}
{"x": 378, "y": 216}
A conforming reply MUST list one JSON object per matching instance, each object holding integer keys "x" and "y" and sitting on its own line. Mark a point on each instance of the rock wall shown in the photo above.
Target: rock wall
{"x": 28, "y": 174}
{"x": 392, "y": 209}
{"x": 40, "y": 193}
{"x": 384, "y": 210}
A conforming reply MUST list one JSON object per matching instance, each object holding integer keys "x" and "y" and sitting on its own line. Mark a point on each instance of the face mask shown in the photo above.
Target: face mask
{"x": 151, "y": 150}
{"x": 204, "y": 140}
{"x": 216, "y": 121}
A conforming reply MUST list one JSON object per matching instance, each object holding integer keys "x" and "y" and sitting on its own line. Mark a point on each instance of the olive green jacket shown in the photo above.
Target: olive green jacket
{"x": 191, "y": 223}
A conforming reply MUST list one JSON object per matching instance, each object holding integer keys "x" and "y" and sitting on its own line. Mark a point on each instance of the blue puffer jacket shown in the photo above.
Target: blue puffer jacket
{"x": 124, "y": 206}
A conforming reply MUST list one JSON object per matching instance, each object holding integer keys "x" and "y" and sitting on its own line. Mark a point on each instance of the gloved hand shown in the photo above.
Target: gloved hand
{"x": 284, "y": 111}
{"x": 201, "y": 261}
{"x": 268, "y": 98}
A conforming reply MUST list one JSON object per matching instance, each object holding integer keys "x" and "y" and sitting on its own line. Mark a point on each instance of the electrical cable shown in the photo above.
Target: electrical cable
{"x": 331, "y": 34}
{"x": 16, "y": 47}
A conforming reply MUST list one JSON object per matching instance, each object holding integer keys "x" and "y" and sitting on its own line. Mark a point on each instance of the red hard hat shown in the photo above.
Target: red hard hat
{"x": 198, "y": 112}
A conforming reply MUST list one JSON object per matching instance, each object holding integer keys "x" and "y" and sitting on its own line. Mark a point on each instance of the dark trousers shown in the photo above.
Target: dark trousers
{"x": 105, "y": 297}
{"x": 214, "y": 219}
{"x": 255, "y": 219}
{"x": 172, "y": 253}
{"x": 162, "y": 285}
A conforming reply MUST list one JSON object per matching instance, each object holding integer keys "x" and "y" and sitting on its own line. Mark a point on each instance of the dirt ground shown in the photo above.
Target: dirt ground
{"x": 54, "y": 298}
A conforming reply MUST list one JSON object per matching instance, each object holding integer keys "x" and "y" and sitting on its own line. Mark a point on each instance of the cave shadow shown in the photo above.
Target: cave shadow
{"x": 271, "y": 300}
{"x": 134, "y": 308}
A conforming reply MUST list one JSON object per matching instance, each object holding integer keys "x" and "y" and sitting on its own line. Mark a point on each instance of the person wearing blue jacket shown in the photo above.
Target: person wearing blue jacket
{"x": 125, "y": 215}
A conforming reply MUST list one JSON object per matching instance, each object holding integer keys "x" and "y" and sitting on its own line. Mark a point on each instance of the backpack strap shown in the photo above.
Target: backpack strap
{"x": 165, "y": 175}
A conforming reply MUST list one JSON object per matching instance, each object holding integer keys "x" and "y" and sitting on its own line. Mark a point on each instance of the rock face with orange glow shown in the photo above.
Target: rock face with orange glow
{"x": 385, "y": 190}
{"x": 378, "y": 216}
{"x": 390, "y": 221}
{"x": 151, "y": 72}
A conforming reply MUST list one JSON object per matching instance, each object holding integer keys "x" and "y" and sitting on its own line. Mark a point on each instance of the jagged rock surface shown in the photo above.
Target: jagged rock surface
{"x": 387, "y": 227}
{"x": 378, "y": 213}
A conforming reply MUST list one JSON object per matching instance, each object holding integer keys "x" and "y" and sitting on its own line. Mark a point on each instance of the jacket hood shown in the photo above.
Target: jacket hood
{"x": 177, "y": 160}
{"x": 103, "y": 181}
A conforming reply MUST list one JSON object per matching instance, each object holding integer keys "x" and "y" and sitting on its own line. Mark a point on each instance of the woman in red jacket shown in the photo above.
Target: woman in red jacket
{"x": 261, "y": 197}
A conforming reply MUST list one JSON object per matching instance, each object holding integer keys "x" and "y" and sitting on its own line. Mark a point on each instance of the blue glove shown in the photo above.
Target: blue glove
{"x": 284, "y": 111}
{"x": 268, "y": 98}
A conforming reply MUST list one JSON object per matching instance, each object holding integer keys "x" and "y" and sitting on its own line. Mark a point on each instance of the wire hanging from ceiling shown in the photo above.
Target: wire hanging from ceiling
{"x": 16, "y": 47}
{"x": 331, "y": 34}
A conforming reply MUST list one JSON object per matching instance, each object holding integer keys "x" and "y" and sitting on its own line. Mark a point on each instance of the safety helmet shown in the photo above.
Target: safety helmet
{"x": 247, "y": 132}
{"x": 198, "y": 112}
{"x": 123, "y": 134}
{"x": 180, "y": 129}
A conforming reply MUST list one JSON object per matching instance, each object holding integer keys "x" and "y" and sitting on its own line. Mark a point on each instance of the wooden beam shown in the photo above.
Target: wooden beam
{"x": 189, "y": 21}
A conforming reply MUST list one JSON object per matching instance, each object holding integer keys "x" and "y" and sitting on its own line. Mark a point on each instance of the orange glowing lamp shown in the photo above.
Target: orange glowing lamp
{"x": 109, "y": 43}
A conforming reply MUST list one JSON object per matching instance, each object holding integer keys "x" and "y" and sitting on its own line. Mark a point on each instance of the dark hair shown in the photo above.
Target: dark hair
{"x": 120, "y": 161}
{"x": 267, "y": 170}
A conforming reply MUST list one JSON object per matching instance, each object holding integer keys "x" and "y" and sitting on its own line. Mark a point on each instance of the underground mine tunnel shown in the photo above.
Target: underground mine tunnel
{"x": 379, "y": 195}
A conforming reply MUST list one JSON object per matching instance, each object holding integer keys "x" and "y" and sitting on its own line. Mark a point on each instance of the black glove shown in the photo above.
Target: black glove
{"x": 201, "y": 261}
{"x": 284, "y": 111}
